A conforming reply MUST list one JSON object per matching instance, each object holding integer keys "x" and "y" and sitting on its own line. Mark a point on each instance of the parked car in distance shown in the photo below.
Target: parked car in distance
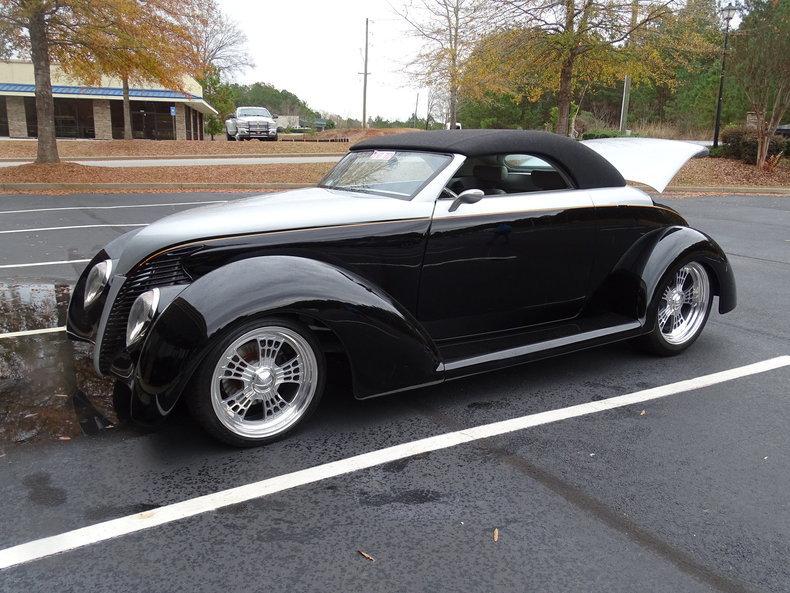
{"x": 251, "y": 122}
{"x": 783, "y": 130}
{"x": 419, "y": 258}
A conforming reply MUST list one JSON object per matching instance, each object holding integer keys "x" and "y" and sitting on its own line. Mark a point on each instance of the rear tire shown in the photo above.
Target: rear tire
{"x": 259, "y": 381}
{"x": 679, "y": 310}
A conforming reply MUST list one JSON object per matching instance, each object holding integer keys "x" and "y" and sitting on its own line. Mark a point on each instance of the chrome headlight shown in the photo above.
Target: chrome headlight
{"x": 141, "y": 315}
{"x": 97, "y": 280}
{"x": 242, "y": 125}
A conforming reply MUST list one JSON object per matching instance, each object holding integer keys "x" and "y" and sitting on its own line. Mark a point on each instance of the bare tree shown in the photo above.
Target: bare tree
{"x": 570, "y": 30}
{"x": 218, "y": 42}
{"x": 435, "y": 107}
{"x": 448, "y": 30}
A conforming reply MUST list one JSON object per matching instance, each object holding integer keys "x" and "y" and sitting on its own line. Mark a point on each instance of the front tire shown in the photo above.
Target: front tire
{"x": 230, "y": 138}
{"x": 259, "y": 381}
{"x": 679, "y": 310}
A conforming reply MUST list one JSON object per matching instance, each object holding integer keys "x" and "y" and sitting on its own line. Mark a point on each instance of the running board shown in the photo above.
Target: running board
{"x": 557, "y": 346}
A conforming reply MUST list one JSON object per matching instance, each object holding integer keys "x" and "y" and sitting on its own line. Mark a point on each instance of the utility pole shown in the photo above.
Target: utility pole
{"x": 416, "y": 105}
{"x": 624, "y": 107}
{"x": 365, "y": 82}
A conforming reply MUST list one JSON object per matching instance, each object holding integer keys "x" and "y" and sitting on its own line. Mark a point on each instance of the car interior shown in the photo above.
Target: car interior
{"x": 504, "y": 174}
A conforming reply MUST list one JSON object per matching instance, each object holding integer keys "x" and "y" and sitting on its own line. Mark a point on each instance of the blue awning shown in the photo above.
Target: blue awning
{"x": 8, "y": 87}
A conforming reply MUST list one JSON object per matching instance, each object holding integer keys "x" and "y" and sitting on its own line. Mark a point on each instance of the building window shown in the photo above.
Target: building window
{"x": 3, "y": 117}
{"x": 73, "y": 118}
{"x": 150, "y": 120}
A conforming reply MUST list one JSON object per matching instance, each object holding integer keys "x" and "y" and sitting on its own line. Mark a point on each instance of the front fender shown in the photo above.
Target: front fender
{"x": 639, "y": 271}
{"x": 387, "y": 348}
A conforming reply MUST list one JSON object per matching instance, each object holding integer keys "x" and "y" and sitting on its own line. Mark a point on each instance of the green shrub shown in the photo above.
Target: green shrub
{"x": 594, "y": 134}
{"x": 741, "y": 143}
{"x": 717, "y": 152}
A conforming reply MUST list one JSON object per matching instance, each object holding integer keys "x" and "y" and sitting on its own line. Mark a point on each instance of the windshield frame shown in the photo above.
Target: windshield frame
{"x": 241, "y": 111}
{"x": 403, "y": 198}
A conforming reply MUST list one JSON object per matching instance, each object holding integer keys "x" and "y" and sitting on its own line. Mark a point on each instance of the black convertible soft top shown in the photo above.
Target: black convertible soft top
{"x": 586, "y": 167}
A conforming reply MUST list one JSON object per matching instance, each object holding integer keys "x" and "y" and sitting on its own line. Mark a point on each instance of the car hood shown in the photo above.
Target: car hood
{"x": 307, "y": 208}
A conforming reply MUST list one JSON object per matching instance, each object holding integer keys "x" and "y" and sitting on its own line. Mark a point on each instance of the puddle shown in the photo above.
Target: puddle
{"x": 48, "y": 388}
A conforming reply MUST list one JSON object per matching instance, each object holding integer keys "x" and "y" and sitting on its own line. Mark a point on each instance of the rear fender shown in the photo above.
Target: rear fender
{"x": 632, "y": 285}
{"x": 387, "y": 348}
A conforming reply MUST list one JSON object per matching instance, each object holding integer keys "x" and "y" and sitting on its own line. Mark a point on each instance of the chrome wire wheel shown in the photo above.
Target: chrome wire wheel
{"x": 683, "y": 307}
{"x": 263, "y": 382}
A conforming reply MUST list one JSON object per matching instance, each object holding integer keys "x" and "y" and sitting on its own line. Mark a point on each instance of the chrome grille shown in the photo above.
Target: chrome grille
{"x": 257, "y": 126}
{"x": 165, "y": 270}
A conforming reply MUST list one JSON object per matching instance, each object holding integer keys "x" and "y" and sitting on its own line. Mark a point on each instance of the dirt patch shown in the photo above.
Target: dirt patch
{"x": 729, "y": 172}
{"x": 74, "y": 173}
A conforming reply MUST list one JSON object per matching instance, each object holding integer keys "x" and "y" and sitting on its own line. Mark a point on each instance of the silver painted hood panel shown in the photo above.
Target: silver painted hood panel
{"x": 646, "y": 160}
{"x": 302, "y": 208}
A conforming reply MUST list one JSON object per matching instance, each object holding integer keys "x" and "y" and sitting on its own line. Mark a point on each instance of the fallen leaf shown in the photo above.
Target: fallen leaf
{"x": 642, "y": 413}
{"x": 31, "y": 415}
{"x": 495, "y": 535}
{"x": 366, "y": 556}
{"x": 592, "y": 454}
{"x": 766, "y": 457}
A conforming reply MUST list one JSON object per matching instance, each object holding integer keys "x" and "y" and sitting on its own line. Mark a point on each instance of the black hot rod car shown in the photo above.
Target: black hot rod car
{"x": 421, "y": 257}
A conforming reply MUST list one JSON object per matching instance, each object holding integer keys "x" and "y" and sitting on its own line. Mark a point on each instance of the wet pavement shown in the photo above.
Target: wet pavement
{"x": 48, "y": 388}
{"x": 684, "y": 494}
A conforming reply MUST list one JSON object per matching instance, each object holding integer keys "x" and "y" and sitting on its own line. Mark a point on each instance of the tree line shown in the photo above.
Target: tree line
{"x": 560, "y": 64}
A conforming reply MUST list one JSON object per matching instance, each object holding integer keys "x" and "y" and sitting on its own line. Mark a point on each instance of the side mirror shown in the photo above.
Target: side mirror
{"x": 470, "y": 196}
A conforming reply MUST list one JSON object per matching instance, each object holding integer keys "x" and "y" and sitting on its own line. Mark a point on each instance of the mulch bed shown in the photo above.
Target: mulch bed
{"x": 74, "y": 173}
{"x": 721, "y": 172}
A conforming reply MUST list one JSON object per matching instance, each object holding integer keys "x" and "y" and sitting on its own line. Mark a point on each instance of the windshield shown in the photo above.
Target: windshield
{"x": 254, "y": 111}
{"x": 390, "y": 173}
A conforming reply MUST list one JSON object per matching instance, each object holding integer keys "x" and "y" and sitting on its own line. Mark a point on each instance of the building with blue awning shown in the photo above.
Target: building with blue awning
{"x": 97, "y": 111}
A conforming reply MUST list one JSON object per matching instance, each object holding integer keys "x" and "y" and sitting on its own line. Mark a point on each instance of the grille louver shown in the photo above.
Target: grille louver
{"x": 165, "y": 270}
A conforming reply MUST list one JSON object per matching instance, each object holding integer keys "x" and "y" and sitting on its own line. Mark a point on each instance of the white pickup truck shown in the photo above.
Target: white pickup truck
{"x": 251, "y": 122}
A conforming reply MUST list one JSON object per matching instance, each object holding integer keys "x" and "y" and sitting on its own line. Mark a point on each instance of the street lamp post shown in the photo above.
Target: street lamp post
{"x": 728, "y": 12}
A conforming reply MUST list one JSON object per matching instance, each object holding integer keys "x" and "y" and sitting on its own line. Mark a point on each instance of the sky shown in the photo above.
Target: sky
{"x": 314, "y": 49}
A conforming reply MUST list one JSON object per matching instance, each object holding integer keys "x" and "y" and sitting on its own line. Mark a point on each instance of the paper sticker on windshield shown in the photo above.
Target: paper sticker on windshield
{"x": 382, "y": 155}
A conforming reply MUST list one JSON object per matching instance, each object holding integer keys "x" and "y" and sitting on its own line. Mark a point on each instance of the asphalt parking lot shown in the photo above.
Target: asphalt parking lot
{"x": 687, "y": 492}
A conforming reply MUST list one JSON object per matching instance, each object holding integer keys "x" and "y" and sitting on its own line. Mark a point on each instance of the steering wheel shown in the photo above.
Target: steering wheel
{"x": 450, "y": 193}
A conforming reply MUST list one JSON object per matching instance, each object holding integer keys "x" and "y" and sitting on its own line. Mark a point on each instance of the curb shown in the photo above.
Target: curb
{"x": 24, "y": 160}
{"x": 732, "y": 189}
{"x": 11, "y": 187}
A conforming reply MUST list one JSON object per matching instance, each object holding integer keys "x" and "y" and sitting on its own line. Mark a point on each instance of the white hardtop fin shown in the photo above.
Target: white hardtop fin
{"x": 650, "y": 161}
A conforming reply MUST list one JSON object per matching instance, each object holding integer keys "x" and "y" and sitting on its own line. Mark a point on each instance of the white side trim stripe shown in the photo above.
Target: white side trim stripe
{"x": 98, "y": 532}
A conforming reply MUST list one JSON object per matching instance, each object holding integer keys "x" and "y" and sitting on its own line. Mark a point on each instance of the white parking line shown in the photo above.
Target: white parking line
{"x": 60, "y": 228}
{"x": 33, "y": 332}
{"x": 45, "y": 263}
{"x": 109, "y": 207}
{"x": 173, "y": 512}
